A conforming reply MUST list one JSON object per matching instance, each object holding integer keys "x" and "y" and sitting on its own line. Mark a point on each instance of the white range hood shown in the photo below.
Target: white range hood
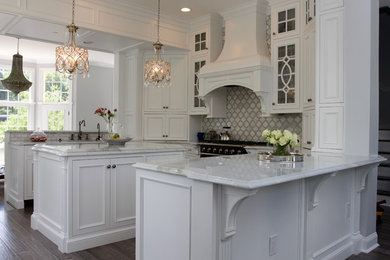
{"x": 244, "y": 60}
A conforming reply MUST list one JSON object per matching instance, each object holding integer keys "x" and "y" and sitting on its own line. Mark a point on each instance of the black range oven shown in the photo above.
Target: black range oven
{"x": 217, "y": 148}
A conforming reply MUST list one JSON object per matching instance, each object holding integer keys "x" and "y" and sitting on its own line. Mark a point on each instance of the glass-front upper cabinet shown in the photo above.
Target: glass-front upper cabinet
{"x": 198, "y": 105}
{"x": 285, "y": 20}
{"x": 286, "y": 77}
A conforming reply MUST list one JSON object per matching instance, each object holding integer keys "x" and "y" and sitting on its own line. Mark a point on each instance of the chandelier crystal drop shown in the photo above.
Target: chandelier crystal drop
{"x": 157, "y": 71}
{"x": 71, "y": 59}
{"x": 17, "y": 82}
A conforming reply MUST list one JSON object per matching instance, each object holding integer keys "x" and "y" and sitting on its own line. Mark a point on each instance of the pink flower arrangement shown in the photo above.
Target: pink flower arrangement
{"x": 107, "y": 114}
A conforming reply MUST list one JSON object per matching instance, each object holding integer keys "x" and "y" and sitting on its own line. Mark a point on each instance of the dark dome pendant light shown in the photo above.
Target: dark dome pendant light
{"x": 16, "y": 81}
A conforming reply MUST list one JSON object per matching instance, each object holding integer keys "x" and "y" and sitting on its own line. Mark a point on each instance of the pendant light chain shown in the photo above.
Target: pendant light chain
{"x": 158, "y": 22}
{"x": 18, "y": 45}
{"x": 73, "y": 12}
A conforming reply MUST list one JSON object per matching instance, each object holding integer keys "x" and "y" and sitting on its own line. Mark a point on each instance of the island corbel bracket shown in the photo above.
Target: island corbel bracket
{"x": 363, "y": 172}
{"x": 313, "y": 186}
{"x": 231, "y": 200}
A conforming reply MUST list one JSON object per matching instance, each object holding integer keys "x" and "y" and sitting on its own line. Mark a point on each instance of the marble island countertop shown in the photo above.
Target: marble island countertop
{"x": 246, "y": 171}
{"x": 97, "y": 148}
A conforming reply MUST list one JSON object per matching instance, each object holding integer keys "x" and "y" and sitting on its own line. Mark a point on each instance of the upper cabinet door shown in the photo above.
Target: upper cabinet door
{"x": 176, "y": 94}
{"x": 308, "y": 69}
{"x": 200, "y": 41}
{"x": 286, "y": 76}
{"x": 285, "y": 20}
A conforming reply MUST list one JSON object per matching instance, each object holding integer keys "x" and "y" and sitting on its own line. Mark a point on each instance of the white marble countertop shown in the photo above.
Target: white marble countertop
{"x": 82, "y": 149}
{"x": 246, "y": 171}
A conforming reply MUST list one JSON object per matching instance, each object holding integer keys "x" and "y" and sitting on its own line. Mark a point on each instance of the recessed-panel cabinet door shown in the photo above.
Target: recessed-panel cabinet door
{"x": 90, "y": 195}
{"x": 176, "y": 127}
{"x": 154, "y": 99}
{"x": 176, "y": 94}
{"x": 122, "y": 177}
{"x": 154, "y": 127}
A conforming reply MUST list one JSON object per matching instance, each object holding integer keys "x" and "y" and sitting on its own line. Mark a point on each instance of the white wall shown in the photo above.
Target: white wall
{"x": 92, "y": 93}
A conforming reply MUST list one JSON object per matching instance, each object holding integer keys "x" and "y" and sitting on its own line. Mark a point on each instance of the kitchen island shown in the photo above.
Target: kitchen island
{"x": 237, "y": 207}
{"x": 84, "y": 194}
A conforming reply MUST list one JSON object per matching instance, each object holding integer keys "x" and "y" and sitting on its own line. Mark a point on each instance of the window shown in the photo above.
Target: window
{"x": 14, "y": 110}
{"x": 57, "y": 87}
{"x": 56, "y": 100}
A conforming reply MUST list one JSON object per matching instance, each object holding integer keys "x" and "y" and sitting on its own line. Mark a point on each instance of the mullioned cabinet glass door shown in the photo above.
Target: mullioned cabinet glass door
{"x": 286, "y": 76}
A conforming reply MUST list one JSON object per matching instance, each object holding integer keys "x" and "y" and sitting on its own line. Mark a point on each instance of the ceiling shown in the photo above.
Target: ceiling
{"x": 199, "y": 7}
{"x": 32, "y": 29}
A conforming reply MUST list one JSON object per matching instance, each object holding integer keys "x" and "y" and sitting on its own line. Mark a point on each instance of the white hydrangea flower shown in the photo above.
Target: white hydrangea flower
{"x": 266, "y": 133}
{"x": 287, "y": 134}
{"x": 283, "y": 141}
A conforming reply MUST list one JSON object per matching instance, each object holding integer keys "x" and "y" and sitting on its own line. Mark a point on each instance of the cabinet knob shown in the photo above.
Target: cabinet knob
{"x": 274, "y": 33}
{"x": 309, "y": 100}
{"x": 114, "y": 166}
{"x": 108, "y": 166}
{"x": 308, "y": 142}
{"x": 273, "y": 104}
{"x": 310, "y": 18}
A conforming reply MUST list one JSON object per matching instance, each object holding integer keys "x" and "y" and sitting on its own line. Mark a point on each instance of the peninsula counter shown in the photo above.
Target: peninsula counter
{"x": 237, "y": 207}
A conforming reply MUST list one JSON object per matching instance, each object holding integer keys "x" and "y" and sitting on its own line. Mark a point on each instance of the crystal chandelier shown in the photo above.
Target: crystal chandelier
{"x": 16, "y": 81}
{"x": 71, "y": 59}
{"x": 157, "y": 71}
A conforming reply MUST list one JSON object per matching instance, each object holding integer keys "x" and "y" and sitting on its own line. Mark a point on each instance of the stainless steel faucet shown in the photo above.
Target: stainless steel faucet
{"x": 80, "y": 134}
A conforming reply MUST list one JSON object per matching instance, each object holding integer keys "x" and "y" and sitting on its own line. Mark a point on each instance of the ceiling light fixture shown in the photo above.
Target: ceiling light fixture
{"x": 16, "y": 81}
{"x": 157, "y": 71}
{"x": 185, "y": 9}
{"x": 71, "y": 59}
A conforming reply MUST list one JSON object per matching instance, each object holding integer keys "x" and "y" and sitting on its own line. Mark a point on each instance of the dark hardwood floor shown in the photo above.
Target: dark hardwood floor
{"x": 19, "y": 241}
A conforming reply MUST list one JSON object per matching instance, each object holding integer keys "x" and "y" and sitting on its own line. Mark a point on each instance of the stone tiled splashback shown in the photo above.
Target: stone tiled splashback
{"x": 244, "y": 117}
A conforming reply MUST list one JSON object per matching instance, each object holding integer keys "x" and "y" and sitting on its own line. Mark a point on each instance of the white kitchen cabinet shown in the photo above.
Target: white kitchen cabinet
{"x": 165, "y": 127}
{"x": 308, "y": 69}
{"x": 28, "y": 174}
{"x": 101, "y": 192}
{"x": 331, "y": 58}
{"x": 207, "y": 37}
{"x": 197, "y": 104}
{"x": 19, "y": 174}
{"x": 326, "y": 5}
{"x": 174, "y": 97}
{"x": 309, "y": 13}
{"x": 308, "y": 128}
{"x": 331, "y": 128}
{"x": 286, "y": 89}
{"x": 285, "y": 20}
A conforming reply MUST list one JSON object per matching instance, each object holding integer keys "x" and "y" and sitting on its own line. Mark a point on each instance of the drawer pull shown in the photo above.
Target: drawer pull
{"x": 309, "y": 100}
{"x": 108, "y": 166}
{"x": 308, "y": 142}
{"x": 114, "y": 166}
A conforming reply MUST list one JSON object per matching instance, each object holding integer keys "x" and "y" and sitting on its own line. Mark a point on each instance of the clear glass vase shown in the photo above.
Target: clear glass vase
{"x": 110, "y": 126}
{"x": 280, "y": 150}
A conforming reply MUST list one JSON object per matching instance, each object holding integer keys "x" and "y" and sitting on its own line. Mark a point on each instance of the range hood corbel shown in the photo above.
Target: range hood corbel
{"x": 244, "y": 60}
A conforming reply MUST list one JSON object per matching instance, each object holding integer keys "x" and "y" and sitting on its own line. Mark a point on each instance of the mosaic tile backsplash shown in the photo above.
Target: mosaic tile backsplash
{"x": 244, "y": 117}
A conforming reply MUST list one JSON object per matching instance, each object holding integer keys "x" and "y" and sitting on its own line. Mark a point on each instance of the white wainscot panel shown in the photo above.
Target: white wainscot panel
{"x": 168, "y": 221}
{"x": 325, "y": 5}
{"x": 331, "y": 62}
{"x": 331, "y": 126}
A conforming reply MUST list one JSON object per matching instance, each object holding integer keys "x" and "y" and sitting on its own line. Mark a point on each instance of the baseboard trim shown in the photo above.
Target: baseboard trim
{"x": 340, "y": 249}
{"x": 98, "y": 239}
{"x": 370, "y": 242}
{"x": 18, "y": 204}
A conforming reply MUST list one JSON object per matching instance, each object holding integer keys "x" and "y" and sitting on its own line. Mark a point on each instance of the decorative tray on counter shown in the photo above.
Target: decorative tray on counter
{"x": 293, "y": 157}
{"x": 117, "y": 142}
